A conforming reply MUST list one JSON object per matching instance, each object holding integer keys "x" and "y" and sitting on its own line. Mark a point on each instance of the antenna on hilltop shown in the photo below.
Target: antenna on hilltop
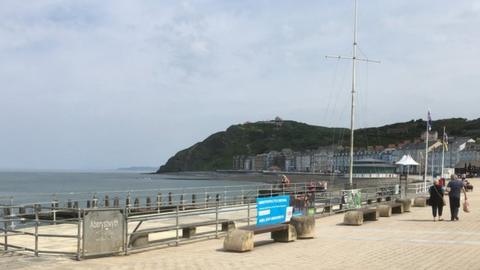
{"x": 354, "y": 73}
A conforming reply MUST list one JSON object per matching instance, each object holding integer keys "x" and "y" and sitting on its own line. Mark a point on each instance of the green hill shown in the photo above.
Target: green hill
{"x": 216, "y": 151}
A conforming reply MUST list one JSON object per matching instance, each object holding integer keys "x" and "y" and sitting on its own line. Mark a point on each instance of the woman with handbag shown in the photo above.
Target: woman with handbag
{"x": 436, "y": 200}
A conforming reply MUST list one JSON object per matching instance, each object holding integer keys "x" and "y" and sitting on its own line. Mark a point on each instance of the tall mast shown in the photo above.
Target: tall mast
{"x": 354, "y": 59}
{"x": 352, "y": 112}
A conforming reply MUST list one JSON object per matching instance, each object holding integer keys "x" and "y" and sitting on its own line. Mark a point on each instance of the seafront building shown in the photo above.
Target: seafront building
{"x": 462, "y": 152}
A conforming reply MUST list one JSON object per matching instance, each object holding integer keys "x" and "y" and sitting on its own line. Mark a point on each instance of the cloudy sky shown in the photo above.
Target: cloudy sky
{"x": 106, "y": 84}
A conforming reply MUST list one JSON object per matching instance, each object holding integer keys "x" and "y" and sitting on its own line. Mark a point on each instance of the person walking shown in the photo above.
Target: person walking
{"x": 436, "y": 200}
{"x": 454, "y": 189}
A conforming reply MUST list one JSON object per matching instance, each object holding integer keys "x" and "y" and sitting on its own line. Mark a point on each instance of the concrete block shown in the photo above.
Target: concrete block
{"x": 397, "y": 209}
{"x": 287, "y": 235}
{"x": 420, "y": 202}
{"x": 385, "y": 210}
{"x": 238, "y": 240}
{"x": 406, "y": 204}
{"x": 371, "y": 215}
{"x": 304, "y": 226}
{"x": 228, "y": 226}
{"x": 189, "y": 232}
{"x": 353, "y": 218}
{"x": 139, "y": 240}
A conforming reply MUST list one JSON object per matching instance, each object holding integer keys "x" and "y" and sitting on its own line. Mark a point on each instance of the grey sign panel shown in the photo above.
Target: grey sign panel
{"x": 103, "y": 232}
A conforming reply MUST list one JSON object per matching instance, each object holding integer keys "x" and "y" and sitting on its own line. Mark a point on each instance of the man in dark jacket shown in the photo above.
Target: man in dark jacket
{"x": 454, "y": 189}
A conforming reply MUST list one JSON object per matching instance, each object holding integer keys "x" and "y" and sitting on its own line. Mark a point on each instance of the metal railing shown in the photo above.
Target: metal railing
{"x": 165, "y": 218}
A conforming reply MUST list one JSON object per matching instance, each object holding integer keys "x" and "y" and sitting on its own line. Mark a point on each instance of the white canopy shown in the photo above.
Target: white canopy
{"x": 407, "y": 160}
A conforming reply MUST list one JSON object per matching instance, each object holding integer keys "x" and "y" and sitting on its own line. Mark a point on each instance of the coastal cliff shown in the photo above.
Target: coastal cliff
{"x": 216, "y": 151}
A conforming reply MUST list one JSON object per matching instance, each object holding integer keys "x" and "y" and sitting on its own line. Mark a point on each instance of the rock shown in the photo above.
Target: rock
{"x": 304, "y": 226}
{"x": 353, "y": 218}
{"x": 385, "y": 210}
{"x": 420, "y": 202}
{"x": 238, "y": 240}
{"x": 286, "y": 235}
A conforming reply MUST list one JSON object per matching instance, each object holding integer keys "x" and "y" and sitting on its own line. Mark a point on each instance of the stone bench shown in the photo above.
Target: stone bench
{"x": 139, "y": 238}
{"x": 407, "y": 203}
{"x": 240, "y": 240}
{"x": 243, "y": 239}
{"x": 386, "y": 210}
{"x": 357, "y": 216}
{"x": 420, "y": 202}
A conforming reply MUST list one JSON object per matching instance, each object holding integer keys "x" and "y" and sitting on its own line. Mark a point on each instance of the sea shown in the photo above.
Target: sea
{"x": 24, "y": 187}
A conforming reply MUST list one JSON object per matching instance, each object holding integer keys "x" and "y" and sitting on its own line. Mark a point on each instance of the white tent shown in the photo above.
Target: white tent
{"x": 408, "y": 161}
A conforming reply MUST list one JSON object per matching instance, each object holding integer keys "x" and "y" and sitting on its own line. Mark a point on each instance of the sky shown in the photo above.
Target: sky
{"x": 105, "y": 84}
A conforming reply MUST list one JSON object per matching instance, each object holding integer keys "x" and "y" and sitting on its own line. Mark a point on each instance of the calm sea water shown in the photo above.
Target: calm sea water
{"x": 26, "y": 187}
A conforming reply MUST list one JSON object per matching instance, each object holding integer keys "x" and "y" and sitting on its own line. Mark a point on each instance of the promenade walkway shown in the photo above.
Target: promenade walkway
{"x": 407, "y": 241}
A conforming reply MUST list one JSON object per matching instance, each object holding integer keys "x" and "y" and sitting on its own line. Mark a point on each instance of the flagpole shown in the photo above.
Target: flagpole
{"x": 426, "y": 160}
{"x": 433, "y": 164}
{"x": 443, "y": 150}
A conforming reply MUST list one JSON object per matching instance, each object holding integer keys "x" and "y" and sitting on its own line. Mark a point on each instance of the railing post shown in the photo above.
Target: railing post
{"x": 79, "y": 233}
{"x": 83, "y": 232}
{"x": 126, "y": 212}
{"x": 36, "y": 230}
{"x": 159, "y": 201}
{"x": 5, "y": 234}
{"x": 225, "y": 197}
{"x": 182, "y": 201}
{"x": 271, "y": 190}
{"x": 206, "y": 199}
{"x": 176, "y": 225}
{"x": 54, "y": 209}
{"x": 248, "y": 213}
{"x": 216, "y": 221}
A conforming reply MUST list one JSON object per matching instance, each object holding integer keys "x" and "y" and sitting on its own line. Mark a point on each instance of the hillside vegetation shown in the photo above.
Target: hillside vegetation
{"x": 216, "y": 151}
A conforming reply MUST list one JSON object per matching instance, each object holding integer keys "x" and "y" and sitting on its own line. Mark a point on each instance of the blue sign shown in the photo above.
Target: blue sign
{"x": 272, "y": 210}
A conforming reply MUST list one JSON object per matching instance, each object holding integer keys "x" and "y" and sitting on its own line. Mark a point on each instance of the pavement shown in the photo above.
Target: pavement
{"x": 404, "y": 241}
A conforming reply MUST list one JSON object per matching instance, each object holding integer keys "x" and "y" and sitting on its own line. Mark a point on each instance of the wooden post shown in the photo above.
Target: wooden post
{"x": 106, "y": 201}
{"x": 169, "y": 198}
{"x": 95, "y": 201}
{"x": 116, "y": 202}
{"x": 194, "y": 199}
{"x": 128, "y": 201}
{"x": 148, "y": 203}
{"x": 136, "y": 203}
{"x": 159, "y": 201}
{"x": 182, "y": 202}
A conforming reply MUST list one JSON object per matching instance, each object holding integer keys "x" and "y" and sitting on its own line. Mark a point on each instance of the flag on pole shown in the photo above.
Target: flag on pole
{"x": 445, "y": 141}
{"x": 429, "y": 122}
